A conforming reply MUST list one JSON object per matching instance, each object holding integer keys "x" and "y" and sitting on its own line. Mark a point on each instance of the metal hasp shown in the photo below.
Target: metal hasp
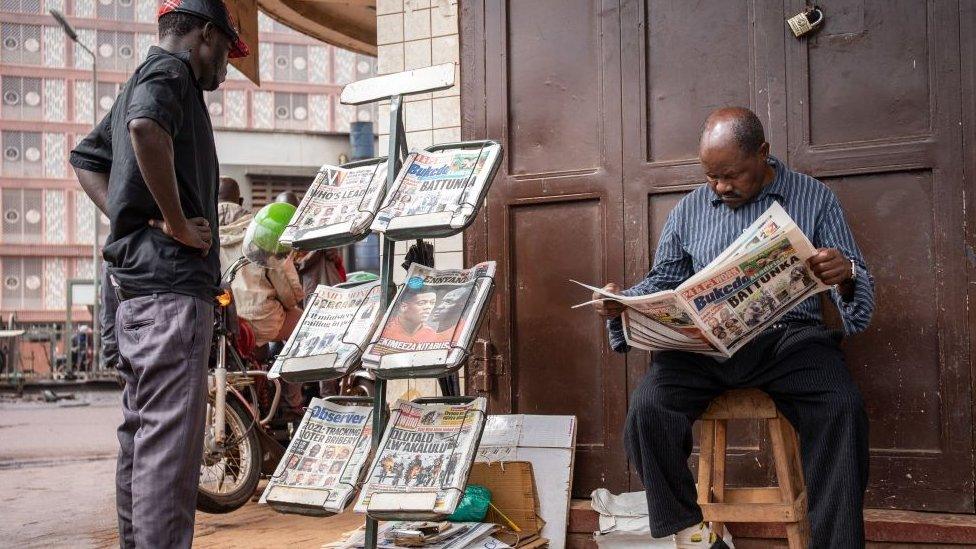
{"x": 392, "y": 87}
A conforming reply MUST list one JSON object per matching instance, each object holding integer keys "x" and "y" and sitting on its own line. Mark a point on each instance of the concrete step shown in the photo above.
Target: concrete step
{"x": 882, "y": 527}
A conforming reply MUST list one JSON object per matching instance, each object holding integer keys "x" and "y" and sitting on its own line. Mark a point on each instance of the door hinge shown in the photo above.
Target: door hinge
{"x": 484, "y": 368}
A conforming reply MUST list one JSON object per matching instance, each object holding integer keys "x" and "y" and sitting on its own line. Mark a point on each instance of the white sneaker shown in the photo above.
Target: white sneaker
{"x": 699, "y": 537}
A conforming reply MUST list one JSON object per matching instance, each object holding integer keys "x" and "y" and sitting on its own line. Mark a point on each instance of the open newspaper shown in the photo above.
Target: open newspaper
{"x": 324, "y": 462}
{"x": 430, "y": 327}
{"x": 331, "y": 334}
{"x": 421, "y": 466}
{"x": 338, "y": 207}
{"x": 438, "y": 190}
{"x": 752, "y": 284}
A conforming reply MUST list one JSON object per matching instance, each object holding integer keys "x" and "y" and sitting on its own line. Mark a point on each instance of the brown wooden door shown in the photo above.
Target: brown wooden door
{"x": 871, "y": 105}
{"x": 549, "y": 90}
{"x": 874, "y": 112}
{"x": 684, "y": 60}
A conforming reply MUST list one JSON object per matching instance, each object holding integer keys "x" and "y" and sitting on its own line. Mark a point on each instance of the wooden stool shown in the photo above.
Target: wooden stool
{"x": 786, "y": 503}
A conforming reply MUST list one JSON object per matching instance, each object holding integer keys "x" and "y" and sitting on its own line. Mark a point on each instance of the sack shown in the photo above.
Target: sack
{"x": 623, "y": 521}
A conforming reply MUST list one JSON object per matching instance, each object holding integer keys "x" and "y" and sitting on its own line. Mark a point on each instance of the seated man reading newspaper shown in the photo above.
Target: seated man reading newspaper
{"x": 795, "y": 359}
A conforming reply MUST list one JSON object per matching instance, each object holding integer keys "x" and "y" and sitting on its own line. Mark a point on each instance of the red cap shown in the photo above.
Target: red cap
{"x": 214, "y": 11}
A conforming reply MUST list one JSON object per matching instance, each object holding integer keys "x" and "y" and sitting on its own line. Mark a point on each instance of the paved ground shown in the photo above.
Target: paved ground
{"x": 57, "y": 467}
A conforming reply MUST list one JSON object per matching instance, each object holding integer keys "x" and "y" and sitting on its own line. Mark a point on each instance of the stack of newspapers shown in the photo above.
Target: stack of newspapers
{"x": 752, "y": 284}
{"x": 323, "y": 465}
{"x": 338, "y": 207}
{"x": 430, "y": 327}
{"x": 438, "y": 190}
{"x": 331, "y": 335}
{"x": 421, "y": 466}
{"x": 455, "y": 535}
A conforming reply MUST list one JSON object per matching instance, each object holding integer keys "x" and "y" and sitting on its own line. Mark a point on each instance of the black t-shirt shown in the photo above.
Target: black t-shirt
{"x": 143, "y": 259}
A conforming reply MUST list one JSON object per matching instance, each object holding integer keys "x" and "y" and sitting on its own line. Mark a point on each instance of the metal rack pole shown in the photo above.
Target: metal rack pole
{"x": 397, "y": 150}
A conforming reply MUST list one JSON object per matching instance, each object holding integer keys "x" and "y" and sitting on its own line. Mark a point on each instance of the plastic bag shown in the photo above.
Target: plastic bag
{"x": 473, "y": 506}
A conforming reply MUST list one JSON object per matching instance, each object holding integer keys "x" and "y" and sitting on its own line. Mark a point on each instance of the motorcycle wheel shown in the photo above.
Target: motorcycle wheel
{"x": 229, "y": 476}
{"x": 361, "y": 387}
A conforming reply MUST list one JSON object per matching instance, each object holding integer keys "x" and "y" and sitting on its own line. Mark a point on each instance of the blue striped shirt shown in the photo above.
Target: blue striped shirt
{"x": 701, "y": 227}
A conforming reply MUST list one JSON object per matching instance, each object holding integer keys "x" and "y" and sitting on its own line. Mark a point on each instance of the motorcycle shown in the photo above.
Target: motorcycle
{"x": 244, "y": 438}
{"x": 240, "y": 441}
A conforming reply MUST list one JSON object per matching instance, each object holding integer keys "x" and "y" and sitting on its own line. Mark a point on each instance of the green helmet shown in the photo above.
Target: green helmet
{"x": 261, "y": 242}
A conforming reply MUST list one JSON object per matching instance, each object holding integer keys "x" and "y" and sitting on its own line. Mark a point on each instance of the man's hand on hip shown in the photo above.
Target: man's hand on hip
{"x": 608, "y": 308}
{"x": 194, "y": 232}
{"x": 830, "y": 266}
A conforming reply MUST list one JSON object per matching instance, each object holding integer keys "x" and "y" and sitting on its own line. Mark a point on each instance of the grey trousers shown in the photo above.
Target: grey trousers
{"x": 164, "y": 345}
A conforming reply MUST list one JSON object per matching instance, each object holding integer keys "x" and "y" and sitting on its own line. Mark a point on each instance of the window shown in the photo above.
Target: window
{"x": 21, "y": 98}
{"x": 290, "y": 63}
{"x": 116, "y": 10}
{"x": 21, "y": 44}
{"x": 107, "y": 92}
{"x": 21, "y": 6}
{"x": 265, "y": 188}
{"x": 22, "y": 278}
{"x": 22, "y": 216}
{"x": 291, "y": 111}
{"x": 22, "y": 154}
{"x": 115, "y": 50}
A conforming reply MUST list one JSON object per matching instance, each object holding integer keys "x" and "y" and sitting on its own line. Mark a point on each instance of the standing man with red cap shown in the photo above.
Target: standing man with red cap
{"x": 151, "y": 166}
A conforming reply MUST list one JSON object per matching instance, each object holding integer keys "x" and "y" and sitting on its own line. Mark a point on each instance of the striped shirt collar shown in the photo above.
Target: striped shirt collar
{"x": 776, "y": 187}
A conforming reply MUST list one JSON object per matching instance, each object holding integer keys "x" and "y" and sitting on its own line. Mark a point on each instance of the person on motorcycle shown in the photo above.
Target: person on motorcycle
{"x": 268, "y": 300}
{"x": 315, "y": 266}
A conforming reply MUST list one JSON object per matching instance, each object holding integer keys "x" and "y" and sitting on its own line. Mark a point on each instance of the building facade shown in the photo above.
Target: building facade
{"x": 271, "y": 138}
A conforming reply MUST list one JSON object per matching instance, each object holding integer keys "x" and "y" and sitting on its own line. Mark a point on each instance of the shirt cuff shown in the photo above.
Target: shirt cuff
{"x": 156, "y": 115}
{"x": 82, "y": 163}
{"x": 615, "y": 331}
{"x": 856, "y": 312}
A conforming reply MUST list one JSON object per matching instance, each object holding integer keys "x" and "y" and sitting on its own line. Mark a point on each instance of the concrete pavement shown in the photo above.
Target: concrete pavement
{"x": 57, "y": 470}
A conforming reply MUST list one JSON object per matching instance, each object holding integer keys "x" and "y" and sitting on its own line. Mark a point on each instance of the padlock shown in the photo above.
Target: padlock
{"x": 804, "y": 22}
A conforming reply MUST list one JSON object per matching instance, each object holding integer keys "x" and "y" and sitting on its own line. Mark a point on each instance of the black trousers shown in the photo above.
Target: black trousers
{"x": 802, "y": 368}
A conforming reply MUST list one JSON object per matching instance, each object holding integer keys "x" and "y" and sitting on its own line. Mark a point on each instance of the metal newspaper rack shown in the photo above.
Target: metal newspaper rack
{"x": 393, "y": 87}
{"x": 298, "y": 243}
{"x": 465, "y": 353}
{"x": 450, "y": 400}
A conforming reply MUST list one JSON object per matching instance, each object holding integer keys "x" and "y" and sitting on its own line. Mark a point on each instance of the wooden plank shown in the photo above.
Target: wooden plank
{"x": 705, "y": 461}
{"x": 741, "y": 404}
{"x": 781, "y": 459}
{"x": 582, "y": 517}
{"x": 718, "y": 468}
{"x": 753, "y": 495}
{"x": 245, "y": 13}
{"x": 756, "y": 512}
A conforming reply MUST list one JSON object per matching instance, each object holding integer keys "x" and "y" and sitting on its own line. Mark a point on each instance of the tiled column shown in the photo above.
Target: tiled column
{"x": 412, "y": 34}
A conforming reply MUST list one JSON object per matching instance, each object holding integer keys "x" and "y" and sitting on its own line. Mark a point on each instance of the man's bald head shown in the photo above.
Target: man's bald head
{"x": 288, "y": 197}
{"x": 737, "y": 125}
{"x": 734, "y": 153}
{"x": 229, "y": 191}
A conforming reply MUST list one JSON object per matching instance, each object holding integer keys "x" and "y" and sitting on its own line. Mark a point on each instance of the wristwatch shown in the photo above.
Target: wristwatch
{"x": 853, "y": 270}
